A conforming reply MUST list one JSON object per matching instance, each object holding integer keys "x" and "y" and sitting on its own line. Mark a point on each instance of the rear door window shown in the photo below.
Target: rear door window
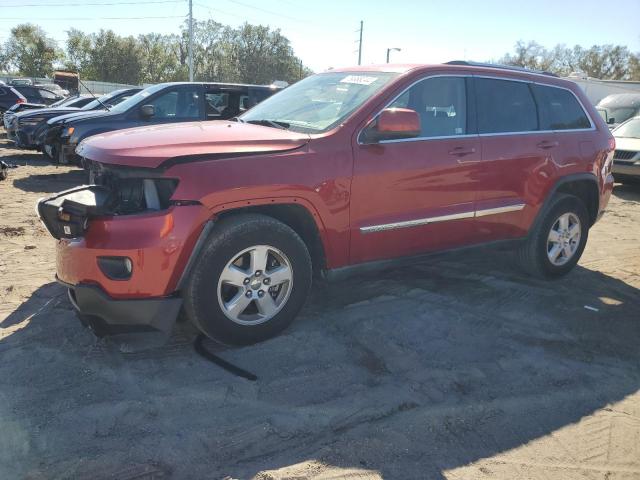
{"x": 216, "y": 102}
{"x": 505, "y": 106}
{"x": 559, "y": 109}
{"x": 441, "y": 103}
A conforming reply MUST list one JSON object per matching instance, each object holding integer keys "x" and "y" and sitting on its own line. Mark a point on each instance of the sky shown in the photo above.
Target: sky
{"x": 324, "y": 33}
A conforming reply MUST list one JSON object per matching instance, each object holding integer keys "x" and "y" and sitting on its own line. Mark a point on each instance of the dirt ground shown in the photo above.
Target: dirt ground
{"x": 459, "y": 368}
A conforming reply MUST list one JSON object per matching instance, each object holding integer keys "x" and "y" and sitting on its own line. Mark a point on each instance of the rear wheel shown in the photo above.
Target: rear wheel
{"x": 250, "y": 281}
{"x": 556, "y": 244}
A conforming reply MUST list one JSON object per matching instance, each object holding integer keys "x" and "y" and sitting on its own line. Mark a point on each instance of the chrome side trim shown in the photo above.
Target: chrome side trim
{"x": 442, "y": 218}
{"x": 415, "y": 223}
{"x": 494, "y": 211}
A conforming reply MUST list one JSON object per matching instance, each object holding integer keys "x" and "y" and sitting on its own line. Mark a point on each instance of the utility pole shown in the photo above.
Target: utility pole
{"x": 360, "y": 44}
{"x": 191, "y": 40}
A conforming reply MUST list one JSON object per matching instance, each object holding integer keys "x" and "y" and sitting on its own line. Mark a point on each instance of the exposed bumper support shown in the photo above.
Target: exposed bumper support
{"x": 113, "y": 316}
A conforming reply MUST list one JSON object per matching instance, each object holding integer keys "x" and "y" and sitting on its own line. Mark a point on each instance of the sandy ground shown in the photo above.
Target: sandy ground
{"x": 461, "y": 368}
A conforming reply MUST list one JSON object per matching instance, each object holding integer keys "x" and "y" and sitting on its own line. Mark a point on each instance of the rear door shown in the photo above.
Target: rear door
{"x": 416, "y": 195}
{"x": 517, "y": 157}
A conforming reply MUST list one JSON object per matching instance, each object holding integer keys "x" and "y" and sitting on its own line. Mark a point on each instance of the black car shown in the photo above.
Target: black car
{"x": 36, "y": 94}
{"x": 9, "y": 96}
{"x": 162, "y": 103}
{"x": 71, "y": 102}
{"x": 23, "y": 126}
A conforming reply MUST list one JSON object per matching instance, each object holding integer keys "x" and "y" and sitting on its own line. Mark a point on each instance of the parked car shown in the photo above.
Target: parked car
{"x": 626, "y": 160}
{"x": 342, "y": 172}
{"x": 618, "y": 108}
{"x": 70, "y": 102}
{"x": 18, "y": 82}
{"x": 35, "y": 94}
{"x": 74, "y": 101}
{"x": 162, "y": 103}
{"x": 23, "y": 126}
{"x": 9, "y": 96}
{"x": 54, "y": 88}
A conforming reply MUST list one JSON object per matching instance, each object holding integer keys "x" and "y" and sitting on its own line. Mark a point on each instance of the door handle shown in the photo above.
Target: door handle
{"x": 547, "y": 144}
{"x": 462, "y": 151}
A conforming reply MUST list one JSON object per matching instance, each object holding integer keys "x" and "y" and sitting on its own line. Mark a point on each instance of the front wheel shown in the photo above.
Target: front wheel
{"x": 556, "y": 244}
{"x": 250, "y": 281}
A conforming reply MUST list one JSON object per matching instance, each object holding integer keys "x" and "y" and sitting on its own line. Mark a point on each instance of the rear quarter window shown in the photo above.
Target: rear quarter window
{"x": 559, "y": 109}
{"x": 505, "y": 106}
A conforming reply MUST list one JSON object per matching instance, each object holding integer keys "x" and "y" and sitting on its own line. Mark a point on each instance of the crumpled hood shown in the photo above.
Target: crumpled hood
{"x": 151, "y": 146}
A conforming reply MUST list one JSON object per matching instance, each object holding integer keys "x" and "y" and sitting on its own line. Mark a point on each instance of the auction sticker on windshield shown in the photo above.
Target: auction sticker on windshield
{"x": 359, "y": 79}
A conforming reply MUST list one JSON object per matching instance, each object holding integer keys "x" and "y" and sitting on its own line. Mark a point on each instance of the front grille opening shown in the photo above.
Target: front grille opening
{"x": 624, "y": 154}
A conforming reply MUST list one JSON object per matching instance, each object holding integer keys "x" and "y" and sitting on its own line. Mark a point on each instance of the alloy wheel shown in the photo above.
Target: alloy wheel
{"x": 564, "y": 239}
{"x": 255, "y": 285}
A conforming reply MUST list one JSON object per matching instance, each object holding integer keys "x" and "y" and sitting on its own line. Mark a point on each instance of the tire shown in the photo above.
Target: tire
{"x": 207, "y": 295}
{"x": 534, "y": 255}
{"x": 54, "y": 151}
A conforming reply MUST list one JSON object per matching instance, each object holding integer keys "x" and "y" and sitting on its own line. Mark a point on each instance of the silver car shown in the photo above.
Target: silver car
{"x": 626, "y": 159}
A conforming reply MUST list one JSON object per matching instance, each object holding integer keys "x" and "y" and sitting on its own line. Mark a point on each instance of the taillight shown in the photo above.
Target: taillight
{"x": 612, "y": 143}
{"x": 21, "y": 100}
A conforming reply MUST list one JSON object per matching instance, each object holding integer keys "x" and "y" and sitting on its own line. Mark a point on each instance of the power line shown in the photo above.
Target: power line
{"x": 269, "y": 12}
{"x": 13, "y": 19}
{"x": 92, "y": 4}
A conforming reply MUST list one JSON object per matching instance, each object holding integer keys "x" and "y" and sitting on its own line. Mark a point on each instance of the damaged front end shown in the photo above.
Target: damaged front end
{"x": 122, "y": 246}
{"x": 113, "y": 191}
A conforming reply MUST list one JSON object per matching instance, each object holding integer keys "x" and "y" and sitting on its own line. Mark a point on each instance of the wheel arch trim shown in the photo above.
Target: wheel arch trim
{"x": 575, "y": 177}
{"x": 239, "y": 206}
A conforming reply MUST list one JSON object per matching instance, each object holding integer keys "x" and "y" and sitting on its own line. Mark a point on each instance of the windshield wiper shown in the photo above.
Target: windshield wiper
{"x": 269, "y": 123}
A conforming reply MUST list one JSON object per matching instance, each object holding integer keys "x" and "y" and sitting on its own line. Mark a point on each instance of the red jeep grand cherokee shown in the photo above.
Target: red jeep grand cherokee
{"x": 348, "y": 168}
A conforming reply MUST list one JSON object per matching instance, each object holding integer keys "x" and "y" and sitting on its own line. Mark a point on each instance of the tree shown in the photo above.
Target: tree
{"x": 161, "y": 58}
{"x": 607, "y": 62}
{"x": 105, "y": 56}
{"x": 30, "y": 51}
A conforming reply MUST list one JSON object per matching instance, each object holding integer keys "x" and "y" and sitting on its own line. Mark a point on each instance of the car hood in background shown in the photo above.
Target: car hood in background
{"x": 151, "y": 146}
{"x": 45, "y": 112}
{"x": 630, "y": 144}
{"x": 81, "y": 114}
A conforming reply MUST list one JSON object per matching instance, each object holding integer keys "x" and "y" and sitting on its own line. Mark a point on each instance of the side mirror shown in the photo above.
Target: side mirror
{"x": 393, "y": 124}
{"x": 611, "y": 120}
{"x": 147, "y": 111}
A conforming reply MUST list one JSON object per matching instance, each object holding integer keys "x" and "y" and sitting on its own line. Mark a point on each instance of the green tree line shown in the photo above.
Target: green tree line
{"x": 246, "y": 54}
{"x": 606, "y": 62}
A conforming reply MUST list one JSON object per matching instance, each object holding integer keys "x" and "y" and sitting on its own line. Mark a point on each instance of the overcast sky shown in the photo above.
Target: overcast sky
{"x": 324, "y": 33}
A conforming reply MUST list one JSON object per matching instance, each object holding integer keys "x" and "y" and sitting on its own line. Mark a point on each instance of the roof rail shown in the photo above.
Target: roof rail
{"x": 502, "y": 67}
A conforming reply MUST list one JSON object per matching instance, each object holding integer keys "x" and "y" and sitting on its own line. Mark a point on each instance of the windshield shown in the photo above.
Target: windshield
{"x": 630, "y": 129}
{"x": 619, "y": 114}
{"x": 319, "y": 102}
{"x": 138, "y": 97}
{"x": 96, "y": 104}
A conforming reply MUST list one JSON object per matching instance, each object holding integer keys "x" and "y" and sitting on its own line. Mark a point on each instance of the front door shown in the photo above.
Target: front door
{"x": 417, "y": 195}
